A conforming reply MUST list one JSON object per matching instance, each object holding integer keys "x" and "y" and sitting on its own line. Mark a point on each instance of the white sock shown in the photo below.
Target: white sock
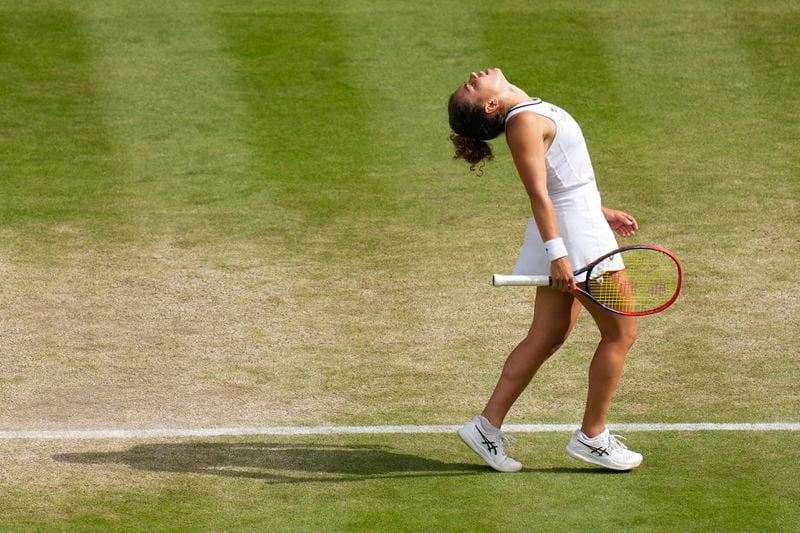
{"x": 486, "y": 425}
{"x": 597, "y": 439}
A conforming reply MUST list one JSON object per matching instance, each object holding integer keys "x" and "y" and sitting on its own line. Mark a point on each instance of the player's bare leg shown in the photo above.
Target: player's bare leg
{"x": 593, "y": 443}
{"x": 554, "y": 316}
{"x": 617, "y": 335}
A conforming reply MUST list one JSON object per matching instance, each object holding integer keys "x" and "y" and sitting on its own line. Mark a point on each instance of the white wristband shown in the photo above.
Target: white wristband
{"x": 555, "y": 249}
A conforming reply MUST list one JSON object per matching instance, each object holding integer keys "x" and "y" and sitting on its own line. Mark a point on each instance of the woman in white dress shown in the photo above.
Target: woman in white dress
{"x": 569, "y": 228}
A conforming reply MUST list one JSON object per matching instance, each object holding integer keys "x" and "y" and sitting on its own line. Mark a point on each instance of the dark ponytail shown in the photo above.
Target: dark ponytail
{"x": 473, "y": 151}
{"x": 472, "y": 127}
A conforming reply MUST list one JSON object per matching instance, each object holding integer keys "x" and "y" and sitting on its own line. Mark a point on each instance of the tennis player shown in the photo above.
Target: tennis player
{"x": 569, "y": 228}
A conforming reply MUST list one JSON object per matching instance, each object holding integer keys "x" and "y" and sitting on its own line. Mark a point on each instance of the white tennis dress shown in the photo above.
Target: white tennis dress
{"x": 573, "y": 192}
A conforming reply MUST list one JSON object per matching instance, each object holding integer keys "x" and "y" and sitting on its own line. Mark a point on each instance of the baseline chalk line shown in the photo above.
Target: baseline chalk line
{"x": 75, "y": 434}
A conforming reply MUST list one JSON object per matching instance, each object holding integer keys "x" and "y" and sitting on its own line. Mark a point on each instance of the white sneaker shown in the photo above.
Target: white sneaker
{"x": 604, "y": 450}
{"x": 490, "y": 445}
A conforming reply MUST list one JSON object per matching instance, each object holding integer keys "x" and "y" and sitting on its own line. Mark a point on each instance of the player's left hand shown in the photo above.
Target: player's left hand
{"x": 622, "y": 223}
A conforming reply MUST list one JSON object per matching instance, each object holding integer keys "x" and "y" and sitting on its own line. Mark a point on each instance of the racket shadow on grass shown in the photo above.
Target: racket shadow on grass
{"x": 277, "y": 462}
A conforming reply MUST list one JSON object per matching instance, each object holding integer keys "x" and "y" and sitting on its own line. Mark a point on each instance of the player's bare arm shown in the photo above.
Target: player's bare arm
{"x": 528, "y": 137}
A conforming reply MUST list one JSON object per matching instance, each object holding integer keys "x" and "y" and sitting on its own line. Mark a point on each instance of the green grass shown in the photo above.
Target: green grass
{"x": 690, "y": 481}
{"x": 57, "y": 166}
{"x": 245, "y": 213}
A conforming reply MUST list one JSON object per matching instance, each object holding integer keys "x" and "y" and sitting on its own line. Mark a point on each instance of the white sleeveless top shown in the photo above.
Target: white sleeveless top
{"x": 567, "y": 160}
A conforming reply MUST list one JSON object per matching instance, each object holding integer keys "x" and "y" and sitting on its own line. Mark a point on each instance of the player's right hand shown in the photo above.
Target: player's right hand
{"x": 561, "y": 273}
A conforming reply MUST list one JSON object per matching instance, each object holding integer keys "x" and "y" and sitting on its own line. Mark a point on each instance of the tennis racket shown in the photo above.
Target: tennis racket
{"x": 634, "y": 280}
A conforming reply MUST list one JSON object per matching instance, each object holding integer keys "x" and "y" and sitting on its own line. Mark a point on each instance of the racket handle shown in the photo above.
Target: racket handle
{"x": 504, "y": 280}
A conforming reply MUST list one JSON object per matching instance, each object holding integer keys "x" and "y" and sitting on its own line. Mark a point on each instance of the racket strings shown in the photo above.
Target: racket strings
{"x": 634, "y": 281}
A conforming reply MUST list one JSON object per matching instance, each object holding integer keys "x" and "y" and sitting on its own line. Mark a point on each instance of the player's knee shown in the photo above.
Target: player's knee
{"x": 557, "y": 342}
{"x": 622, "y": 337}
{"x": 551, "y": 342}
{"x": 629, "y": 338}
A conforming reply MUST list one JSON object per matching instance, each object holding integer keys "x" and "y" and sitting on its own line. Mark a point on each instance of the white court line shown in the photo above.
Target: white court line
{"x": 373, "y": 430}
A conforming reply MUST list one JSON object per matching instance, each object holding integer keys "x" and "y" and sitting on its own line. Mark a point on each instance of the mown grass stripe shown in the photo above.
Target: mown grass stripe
{"x": 306, "y": 119}
{"x": 57, "y": 173}
{"x": 177, "y": 117}
{"x": 378, "y": 430}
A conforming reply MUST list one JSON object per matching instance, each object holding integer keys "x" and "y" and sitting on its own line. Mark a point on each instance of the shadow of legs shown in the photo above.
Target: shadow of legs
{"x": 276, "y": 462}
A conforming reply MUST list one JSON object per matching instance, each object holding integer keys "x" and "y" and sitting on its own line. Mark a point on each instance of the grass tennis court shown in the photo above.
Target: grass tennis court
{"x": 245, "y": 214}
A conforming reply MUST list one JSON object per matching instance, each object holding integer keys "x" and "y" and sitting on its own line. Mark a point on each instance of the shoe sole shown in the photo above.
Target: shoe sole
{"x": 592, "y": 461}
{"x": 478, "y": 450}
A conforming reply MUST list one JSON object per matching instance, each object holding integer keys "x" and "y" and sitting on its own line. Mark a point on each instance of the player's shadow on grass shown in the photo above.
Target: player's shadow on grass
{"x": 278, "y": 463}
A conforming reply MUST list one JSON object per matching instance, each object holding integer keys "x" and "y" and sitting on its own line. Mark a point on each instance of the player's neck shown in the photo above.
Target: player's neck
{"x": 513, "y": 96}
